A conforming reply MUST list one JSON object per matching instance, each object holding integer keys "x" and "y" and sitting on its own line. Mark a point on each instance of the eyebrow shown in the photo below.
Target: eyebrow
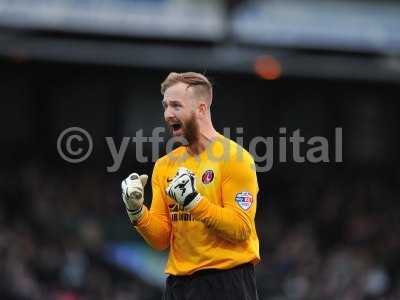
{"x": 171, "y": 102}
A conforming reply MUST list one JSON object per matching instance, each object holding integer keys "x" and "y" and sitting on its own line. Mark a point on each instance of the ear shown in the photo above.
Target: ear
{"x": 202, "y": 109}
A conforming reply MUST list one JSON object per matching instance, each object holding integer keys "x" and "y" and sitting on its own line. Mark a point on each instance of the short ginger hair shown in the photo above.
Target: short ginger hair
{"x": 202, "y": 87}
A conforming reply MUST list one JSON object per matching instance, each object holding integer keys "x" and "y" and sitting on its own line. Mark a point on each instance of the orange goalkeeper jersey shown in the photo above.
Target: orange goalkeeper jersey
{"x": 220, "y": 231}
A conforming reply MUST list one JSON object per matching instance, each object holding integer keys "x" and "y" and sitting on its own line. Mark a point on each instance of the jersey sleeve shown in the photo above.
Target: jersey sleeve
{"x": 155, "y": 224}
{"x": 233, "y": 221}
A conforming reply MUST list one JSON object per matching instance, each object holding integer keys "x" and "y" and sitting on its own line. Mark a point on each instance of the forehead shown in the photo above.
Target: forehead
{"x": 177, "y": 92}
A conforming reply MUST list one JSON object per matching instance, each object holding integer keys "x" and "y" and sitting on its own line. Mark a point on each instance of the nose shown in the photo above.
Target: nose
{"x": 168, "y": 114}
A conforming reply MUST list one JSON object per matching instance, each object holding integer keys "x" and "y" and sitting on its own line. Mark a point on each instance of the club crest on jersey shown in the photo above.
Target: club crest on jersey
{"x": 244, "y": 199}
{"x": 207, "y": 177}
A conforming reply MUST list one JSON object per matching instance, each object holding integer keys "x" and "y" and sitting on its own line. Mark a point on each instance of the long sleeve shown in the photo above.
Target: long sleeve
{"x": 233, "y": 221}
{"x": 155, "y": 224}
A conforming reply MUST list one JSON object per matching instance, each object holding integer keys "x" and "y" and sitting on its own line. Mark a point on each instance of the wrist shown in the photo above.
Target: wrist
{"x": 135, "y": 214}
{"x": 192, "y": 200}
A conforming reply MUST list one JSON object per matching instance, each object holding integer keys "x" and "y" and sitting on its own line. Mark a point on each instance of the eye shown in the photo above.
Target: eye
{"x": 176, "y": 105}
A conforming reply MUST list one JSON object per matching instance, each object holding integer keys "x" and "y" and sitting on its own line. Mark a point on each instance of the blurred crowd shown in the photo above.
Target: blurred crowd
{"x": 338, "y": 240}
{"x": 52, "y": 239}
{"x": 334, "y": 240}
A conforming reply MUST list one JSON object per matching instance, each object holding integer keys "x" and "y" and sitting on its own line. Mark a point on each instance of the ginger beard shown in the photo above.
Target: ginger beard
{"x": 188, "y": 129}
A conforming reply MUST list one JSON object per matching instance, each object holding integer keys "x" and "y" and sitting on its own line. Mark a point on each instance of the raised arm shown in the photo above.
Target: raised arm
{"x": 235, "y": 219}
{"x": 154, "y": 224}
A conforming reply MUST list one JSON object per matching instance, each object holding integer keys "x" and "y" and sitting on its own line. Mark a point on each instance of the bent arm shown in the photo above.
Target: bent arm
{"x": 155, "y": 224}
{"x": 233, "y": 221}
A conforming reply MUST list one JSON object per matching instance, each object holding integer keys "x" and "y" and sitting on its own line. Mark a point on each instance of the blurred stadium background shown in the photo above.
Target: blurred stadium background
{"x": 328, "y": 231}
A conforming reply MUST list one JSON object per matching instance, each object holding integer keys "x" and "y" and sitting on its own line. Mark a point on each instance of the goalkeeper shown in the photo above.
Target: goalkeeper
{"x": 204, "y": 201}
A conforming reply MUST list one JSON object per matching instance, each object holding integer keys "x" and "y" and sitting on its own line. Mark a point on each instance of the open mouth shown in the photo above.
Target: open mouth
{"x": 176, "y": 127}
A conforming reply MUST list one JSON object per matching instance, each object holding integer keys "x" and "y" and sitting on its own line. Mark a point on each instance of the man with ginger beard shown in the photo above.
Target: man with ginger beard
{"x": 190, "y": 130}
{"x": 204, "y": 201}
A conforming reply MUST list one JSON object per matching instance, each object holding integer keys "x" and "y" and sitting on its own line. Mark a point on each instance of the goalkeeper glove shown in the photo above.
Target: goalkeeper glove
{"x": 182, "y": 189}
{"x": 132, "y": 195}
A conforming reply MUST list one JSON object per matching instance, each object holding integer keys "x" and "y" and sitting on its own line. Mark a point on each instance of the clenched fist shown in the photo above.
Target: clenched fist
{"x": 133, "y": 195}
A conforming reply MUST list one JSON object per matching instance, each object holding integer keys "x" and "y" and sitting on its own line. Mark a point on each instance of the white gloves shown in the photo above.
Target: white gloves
{"x": 182, "y": 189}
{"x": 132, "y": 195}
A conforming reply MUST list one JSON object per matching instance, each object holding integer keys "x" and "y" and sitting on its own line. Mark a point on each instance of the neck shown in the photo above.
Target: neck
{"x": 206, "y": 135}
